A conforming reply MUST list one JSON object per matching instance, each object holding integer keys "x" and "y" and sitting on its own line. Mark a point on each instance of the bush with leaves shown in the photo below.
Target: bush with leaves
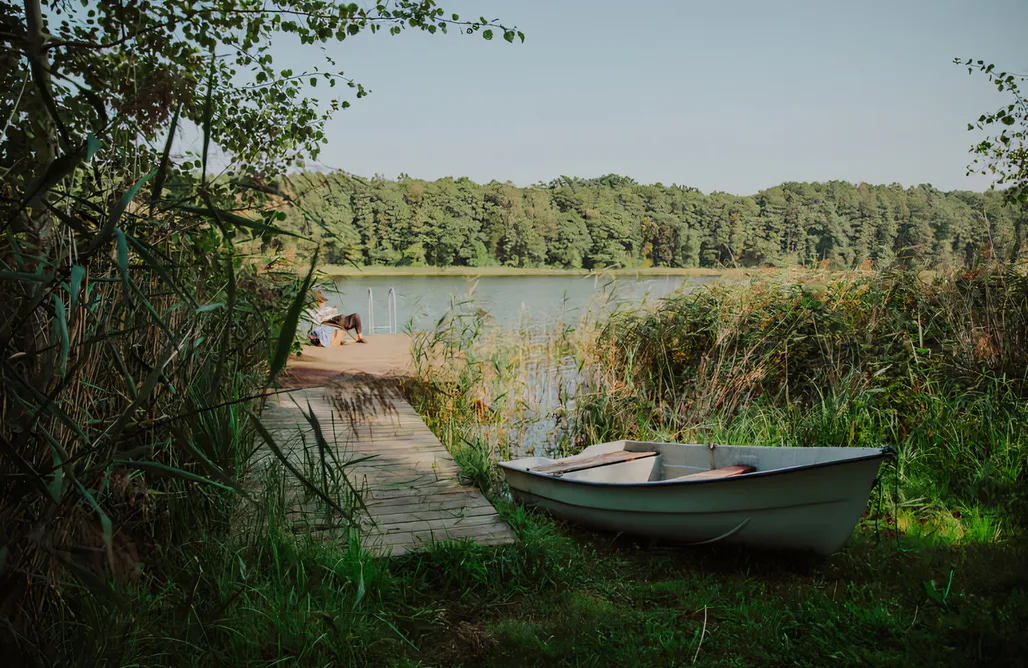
{"x": 136, "y": 336}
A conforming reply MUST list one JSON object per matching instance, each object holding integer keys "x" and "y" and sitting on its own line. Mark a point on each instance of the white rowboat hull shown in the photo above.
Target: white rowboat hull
{"x": 798, "y": 498}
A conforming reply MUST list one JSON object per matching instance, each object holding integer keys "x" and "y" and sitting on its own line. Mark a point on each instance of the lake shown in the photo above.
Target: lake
{"x": 541, "y": 301}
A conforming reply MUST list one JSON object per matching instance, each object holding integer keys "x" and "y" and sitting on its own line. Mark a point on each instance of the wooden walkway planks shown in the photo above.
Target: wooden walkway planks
{"x": 409, "y": 481}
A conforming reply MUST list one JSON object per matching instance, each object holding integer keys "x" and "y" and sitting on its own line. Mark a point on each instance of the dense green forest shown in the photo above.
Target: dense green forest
{"x": 614, "y": 221}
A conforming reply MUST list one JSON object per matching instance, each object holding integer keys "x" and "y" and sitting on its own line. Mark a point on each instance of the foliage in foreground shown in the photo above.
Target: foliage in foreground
{"x": 135, "y": 335}
{"x": 566, "y": 598}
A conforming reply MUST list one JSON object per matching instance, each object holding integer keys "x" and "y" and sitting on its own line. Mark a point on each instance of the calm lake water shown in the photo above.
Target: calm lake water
{"x": 534, "y": 306}
{"x": 542, "y": 301}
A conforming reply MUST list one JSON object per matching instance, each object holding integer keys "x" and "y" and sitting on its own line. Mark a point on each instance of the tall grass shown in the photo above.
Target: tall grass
{"x": 137, "y": 337}
{"x": 937, "y": 370}
{"x": 858, "y": 361}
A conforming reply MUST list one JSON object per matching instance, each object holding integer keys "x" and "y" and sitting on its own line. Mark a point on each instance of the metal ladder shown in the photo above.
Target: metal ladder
{"x": 391, "y": 307}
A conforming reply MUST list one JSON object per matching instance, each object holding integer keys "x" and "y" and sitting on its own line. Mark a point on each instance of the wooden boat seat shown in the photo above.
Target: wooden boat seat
{"x": 723, "y": 472}
{"x": 578, "y": 463}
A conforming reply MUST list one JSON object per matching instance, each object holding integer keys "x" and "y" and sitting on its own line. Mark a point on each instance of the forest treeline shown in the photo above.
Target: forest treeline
{"x": 613, "y": 221}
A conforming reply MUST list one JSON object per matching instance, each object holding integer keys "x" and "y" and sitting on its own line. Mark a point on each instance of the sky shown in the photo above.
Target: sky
{"x": 728, "y": 95}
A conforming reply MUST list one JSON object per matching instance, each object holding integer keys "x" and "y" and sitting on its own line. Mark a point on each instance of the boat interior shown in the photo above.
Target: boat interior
{"x": 638, "y": 461}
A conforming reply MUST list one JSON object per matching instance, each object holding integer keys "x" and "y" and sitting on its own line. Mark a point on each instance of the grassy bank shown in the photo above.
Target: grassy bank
{"x": 935, "y": 369}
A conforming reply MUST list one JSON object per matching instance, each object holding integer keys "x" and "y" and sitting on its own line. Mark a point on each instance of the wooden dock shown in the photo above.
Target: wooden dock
{"x": 409, "y": 482}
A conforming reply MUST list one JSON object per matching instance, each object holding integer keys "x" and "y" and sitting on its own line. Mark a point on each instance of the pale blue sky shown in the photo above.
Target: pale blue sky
{"x": 734, "y": 95}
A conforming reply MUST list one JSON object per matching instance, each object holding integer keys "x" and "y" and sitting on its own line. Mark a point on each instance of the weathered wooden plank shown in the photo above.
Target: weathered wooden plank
{"x": 428, "y": 501}
{"x": 495, "y": 529}
{"x": 448, "y": 488}
{"x": 412, "y": 492}
{"x": 443, "y": 524}
{"x": 723, "y": 472}
{"x": 580, "y": 463}
{"x": 419, "y": 513}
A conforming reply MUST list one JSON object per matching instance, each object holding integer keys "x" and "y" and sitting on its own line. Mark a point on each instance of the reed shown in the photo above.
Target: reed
{"x": 137, "y": 338}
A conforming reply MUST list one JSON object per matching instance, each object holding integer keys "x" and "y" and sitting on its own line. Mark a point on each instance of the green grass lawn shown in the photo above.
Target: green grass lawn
{"x": 566, "y": 597}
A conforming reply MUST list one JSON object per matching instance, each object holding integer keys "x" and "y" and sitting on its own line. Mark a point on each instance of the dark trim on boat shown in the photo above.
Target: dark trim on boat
{"x": 884, "y": 454}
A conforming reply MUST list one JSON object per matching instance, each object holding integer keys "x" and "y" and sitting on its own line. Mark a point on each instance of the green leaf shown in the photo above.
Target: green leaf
{"x": 148, "y": 385}
{"x": 162, "y": 167}
{"x": 60, "y": 168}
{"x": 22, "y": 276}
{"x": 292, "y": 320}
{"x": 105, "y": 521}
{"x": 119, "y": 361}
{"x": 210, "y": 307}
{"x": 521, "y": 36}
{"x": 122, "y": 246}
{"x": 509, "y": 36}
{"x": 360, "y": 583}
{"x": 78, "y": 274}
{"x": 239, "y": 221}
{"x": 92, "y": 146}
{"x": 266, "y": 435}
{"x": 488, "y": 34}
{"x": 61, "y": 324}
{"x": 156, "y": 468}
{"x": 116, "y": 213}
{"x": 213, "y": 469}
{"x": 208, "y": 114}
{"x": 158, "y": 268}
{"x": 57, "y": 484}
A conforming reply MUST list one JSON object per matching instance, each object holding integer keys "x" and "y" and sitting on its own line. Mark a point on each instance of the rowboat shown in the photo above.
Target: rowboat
{"x": 768, "y": 497}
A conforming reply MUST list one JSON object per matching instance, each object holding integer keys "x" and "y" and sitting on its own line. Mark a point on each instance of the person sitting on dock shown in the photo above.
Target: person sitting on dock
{"x": 329, "y": 323}
{"x": 345, "y": 323}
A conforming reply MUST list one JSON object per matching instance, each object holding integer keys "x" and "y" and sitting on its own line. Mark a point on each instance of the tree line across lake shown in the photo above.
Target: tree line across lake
{"x": 613, "y": 221}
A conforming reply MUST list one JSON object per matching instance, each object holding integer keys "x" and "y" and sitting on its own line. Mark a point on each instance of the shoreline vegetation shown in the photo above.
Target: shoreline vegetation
{"x": 335, "y": 270}
{"x": 615, "y": 221}
{"x": 934, "y": 573}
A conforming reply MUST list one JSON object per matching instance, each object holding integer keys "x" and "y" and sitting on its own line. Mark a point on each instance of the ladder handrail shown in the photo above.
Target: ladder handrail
{"x": 371, "y": 312}
{"x": 390, "y": 308}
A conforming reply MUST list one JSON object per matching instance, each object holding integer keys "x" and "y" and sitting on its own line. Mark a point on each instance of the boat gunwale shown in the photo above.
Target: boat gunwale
{"x": 883, "y": 454}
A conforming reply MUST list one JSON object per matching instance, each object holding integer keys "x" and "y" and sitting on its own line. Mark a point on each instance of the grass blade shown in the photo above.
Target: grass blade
{"x": 105, "y": 520}
{"x": 78, "y": 274}
{"x": 57, "y": 484}
{"x": 9, "y": 451}
{"x": 162, "y": 168}
{"x": 291, "y": 322}
{"x": 320, "y": 493}
{"x": 213, "y": 469}
{"x": 323, "y": 449}
{"x": 259, "y": 228}
{"x": 122, "y": 247}
{"x": 61, "y": 325}
{"x": 60, "y": 168}
{"x": 156, "y": 468}
{"x": 208, "y": 114}
{"x": 116, "y": 213}
{"x": 157, "y": 267}
{"x": 147, "y": 387}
